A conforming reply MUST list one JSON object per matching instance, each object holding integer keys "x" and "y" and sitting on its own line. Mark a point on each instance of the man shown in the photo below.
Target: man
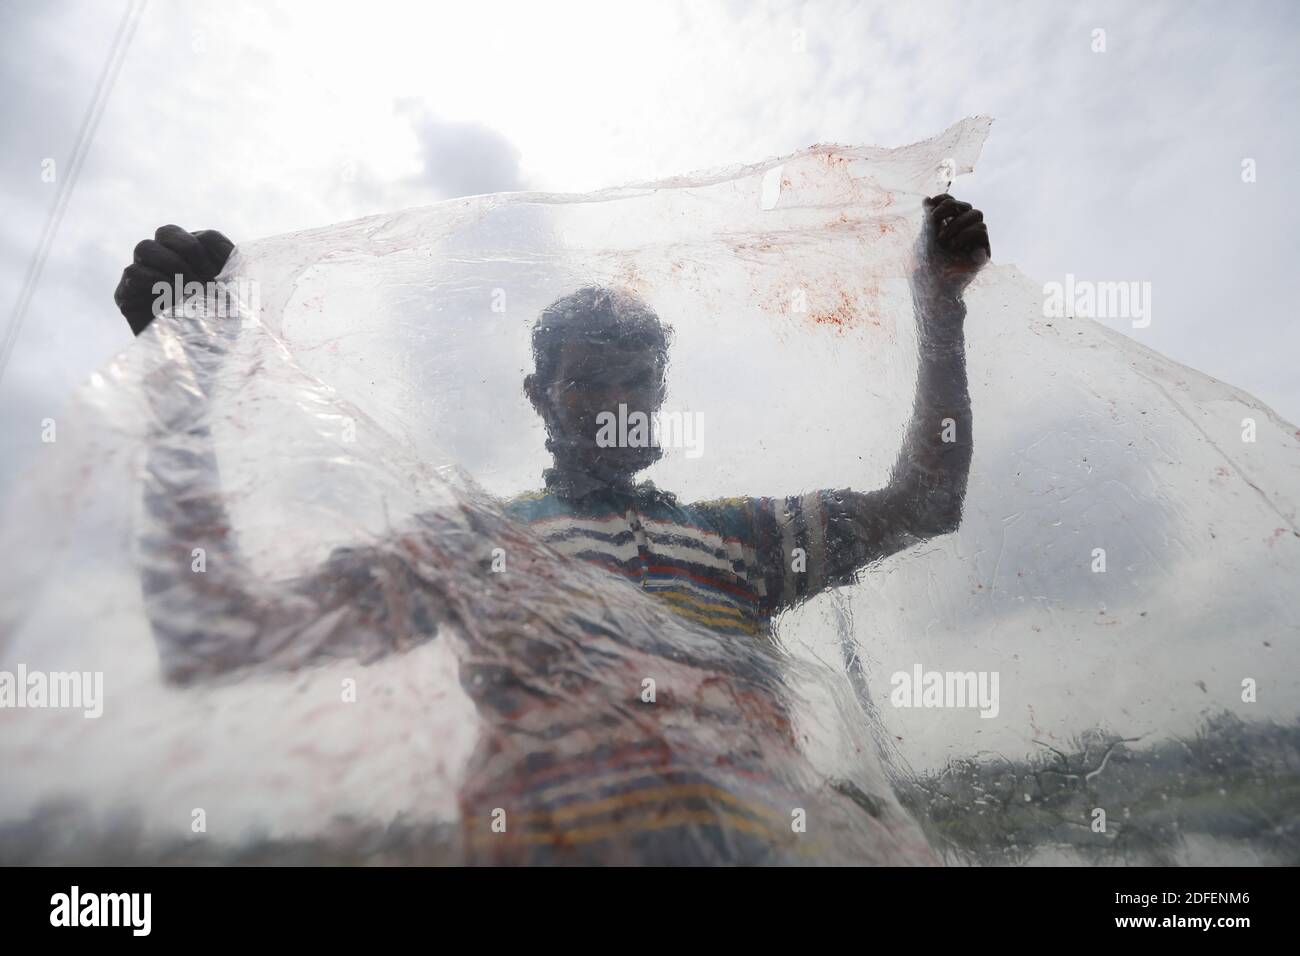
{"x": 580, "y": 778}
{"x": 730, "y": 564}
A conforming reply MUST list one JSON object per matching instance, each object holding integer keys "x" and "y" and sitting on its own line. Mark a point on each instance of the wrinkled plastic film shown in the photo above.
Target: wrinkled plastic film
{"x": 364, "y": 414}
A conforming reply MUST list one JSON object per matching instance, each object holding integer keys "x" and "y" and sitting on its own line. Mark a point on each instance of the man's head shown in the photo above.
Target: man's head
{"x": 594, "y": 350}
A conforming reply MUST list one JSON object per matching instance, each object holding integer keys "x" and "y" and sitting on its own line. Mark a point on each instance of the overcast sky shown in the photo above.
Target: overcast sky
{"x": 259, "y": 119}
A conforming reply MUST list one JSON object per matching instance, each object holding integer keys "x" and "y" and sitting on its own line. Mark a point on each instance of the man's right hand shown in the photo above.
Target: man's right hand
{"x": 194, "y": 256}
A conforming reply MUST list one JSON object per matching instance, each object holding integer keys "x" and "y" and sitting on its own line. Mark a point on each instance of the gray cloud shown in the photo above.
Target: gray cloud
{"x": 462, "y": 158}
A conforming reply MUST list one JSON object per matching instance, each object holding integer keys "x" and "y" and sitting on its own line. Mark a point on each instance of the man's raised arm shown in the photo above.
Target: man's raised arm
{"x": 209, "y": 611}
{"x": 928, "y": 483}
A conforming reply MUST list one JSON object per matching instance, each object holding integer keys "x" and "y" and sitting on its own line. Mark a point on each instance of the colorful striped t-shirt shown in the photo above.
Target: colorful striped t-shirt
{"x": 709, "y": 773}
{"x": 729, "y": 564}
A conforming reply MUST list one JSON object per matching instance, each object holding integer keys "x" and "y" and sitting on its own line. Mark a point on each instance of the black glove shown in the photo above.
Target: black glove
{"x": 194, "y": 256}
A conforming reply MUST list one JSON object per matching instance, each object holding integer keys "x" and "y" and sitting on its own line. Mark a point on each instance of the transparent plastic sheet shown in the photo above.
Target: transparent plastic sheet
{"x": 365, "y": 414}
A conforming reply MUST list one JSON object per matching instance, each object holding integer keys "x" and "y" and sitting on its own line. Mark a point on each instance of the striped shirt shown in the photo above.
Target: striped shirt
{"x": 728, "y": 564}
{"x": 712, "y": 772}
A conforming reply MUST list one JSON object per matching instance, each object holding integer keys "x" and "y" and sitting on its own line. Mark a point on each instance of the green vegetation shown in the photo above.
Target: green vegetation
{"x": 1232, "y": 783}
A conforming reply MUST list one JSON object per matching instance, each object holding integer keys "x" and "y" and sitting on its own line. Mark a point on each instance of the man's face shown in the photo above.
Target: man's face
{"x": 594, "y": 378}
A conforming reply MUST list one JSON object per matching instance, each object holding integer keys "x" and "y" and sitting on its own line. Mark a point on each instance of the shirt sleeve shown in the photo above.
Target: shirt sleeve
{"x": 782, "y": 543}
